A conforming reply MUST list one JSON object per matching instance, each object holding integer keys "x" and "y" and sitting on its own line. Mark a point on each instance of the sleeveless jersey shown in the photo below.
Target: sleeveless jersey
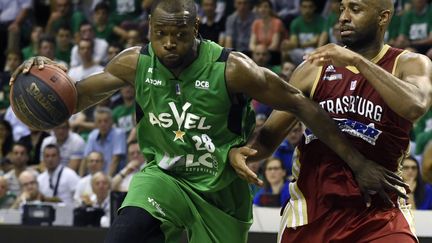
{"x": 323, "y": 180}
{"x": 187, "y": 124}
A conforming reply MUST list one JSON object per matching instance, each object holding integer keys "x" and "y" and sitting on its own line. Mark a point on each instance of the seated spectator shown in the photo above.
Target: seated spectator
{"x": 58, "y": 181}
{"x": 427, "y": 164}
{"x": 88, "y": 66}
{"x": 101, "y": 186}
{"x": 239, "y": 26}
{"x": 275, "y": 192}
{"x": 286, "y": 151}
{"x": 94, "y": 163}
{"x": 29, "y": 190}
{"x": 64, "y": 44}
{"x": 19, "y": 159}
{"x": 108, "y": 140}
{"x": 124, "y": 114}
{"x": 136, "y": 163}
{"x": 71, "y": 145}
{"x": 212, "y": 26}
{"x": 287, "y": 69}
{"x": 133, "y": 38}
{"x": 304, "y": 32}
{"x": 13, "y": 60}
{"x": 64, "y": 14}
{"x": 416, "y": 28}
{"x": 6, "y": 197}
{"x": 47, "y": 47}
{"x": 267, "y": 30}
{"x": 421, "y": 192}
{"x": 33, "y": 48}
{"x": 6, "y": 140}
{"x": 114, "y": 48}
{"x": 100, "y": 46}
{"x": 287, "y": 10}
{"x": 327, "y": 35}
{"x": 33, "y": 141}
{"x": 19, "y": 129}
{"x": 103, "y": 28}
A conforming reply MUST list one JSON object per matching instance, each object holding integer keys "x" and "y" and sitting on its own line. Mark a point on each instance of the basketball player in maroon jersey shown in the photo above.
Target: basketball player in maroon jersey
{"x": 374, "y": 93}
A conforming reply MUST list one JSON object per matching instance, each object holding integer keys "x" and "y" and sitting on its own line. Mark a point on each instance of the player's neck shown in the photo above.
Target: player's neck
{"x": 370, "y": 51}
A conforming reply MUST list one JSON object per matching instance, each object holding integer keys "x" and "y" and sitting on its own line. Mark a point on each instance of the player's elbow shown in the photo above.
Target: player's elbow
{"x": 416, "y": 111}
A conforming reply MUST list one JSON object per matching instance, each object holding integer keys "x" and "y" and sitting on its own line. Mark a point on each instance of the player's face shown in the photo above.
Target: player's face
{"x": 172, "y": 37}
{"x": 358, "y": 23}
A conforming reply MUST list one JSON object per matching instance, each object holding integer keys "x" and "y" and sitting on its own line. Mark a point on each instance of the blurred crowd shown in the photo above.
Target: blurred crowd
{"x": 84, "y": 159}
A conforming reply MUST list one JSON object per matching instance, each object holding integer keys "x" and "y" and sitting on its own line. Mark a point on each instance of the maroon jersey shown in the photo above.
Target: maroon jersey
{"x": 323, "y": 180}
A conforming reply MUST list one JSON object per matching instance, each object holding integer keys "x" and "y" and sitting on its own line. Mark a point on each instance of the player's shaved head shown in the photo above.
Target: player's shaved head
{"x": 176, "y": 6}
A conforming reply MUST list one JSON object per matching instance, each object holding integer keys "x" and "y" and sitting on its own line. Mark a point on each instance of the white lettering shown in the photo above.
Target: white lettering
{"x": 165, "y": 120}
{"x": 190, "y": 121}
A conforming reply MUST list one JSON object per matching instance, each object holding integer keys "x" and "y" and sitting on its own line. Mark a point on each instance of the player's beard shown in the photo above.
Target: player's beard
{"x": 361, "y": 39}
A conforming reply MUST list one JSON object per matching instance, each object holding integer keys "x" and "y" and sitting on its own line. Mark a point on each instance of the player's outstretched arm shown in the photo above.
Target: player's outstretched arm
{"x": 97, "y": 87}
{"x": 408, "y": 91}
{"x": 244, "y": 76}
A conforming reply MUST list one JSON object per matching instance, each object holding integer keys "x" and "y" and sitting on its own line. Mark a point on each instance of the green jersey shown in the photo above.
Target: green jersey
{"x": 187, "y": 124}
{"x": 417, "y": 26}
{"x": 306, "y": 31}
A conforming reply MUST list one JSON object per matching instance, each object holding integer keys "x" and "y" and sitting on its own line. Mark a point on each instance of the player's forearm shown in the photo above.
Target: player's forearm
{"x": 394, "y": 90}
{"x": 322, "y": 126}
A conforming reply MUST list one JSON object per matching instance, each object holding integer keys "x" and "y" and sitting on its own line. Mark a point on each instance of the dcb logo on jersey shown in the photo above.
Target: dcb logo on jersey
{"x": 202, "y": 84}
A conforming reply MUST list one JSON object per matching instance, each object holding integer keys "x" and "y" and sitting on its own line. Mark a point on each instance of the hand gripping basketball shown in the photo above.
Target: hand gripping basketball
{"x": 42, "y": 94}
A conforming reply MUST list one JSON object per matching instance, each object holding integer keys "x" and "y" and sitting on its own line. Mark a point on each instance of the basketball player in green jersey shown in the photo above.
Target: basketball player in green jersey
{"x": 192, "y": 108}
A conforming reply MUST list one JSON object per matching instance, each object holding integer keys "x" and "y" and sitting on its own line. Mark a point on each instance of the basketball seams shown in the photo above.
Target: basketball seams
{"x": 59, "y": 89}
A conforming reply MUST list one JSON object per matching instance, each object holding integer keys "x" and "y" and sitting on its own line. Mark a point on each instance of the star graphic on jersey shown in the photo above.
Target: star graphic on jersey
{"x": 179, "y": 135}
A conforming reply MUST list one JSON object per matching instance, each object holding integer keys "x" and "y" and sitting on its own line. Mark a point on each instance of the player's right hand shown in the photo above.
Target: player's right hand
{"x": 237, "y": 158}
{"x": 39, "y": 61}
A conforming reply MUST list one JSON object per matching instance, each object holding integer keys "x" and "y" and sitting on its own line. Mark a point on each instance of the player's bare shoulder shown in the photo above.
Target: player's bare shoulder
{"x": 304, "y": 76}
{"x": 124, "y": 64}
{"x": 410, "y": 63}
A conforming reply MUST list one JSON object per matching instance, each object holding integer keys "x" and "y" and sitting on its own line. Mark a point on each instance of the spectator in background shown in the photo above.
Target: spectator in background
{"x": 136, "y": 163}
{"x": 71, "y": 145}
{"x": 239, "y": 26}
{"x": 6, "y": 197}
{"x": 416, "y": 28}
{"x": 305, "y": 31}
{"x": 420, "y": 196}
{"x": 6, "y": 140}
{"x": 261, "y": 56}
{"x": 133, "y": 38}
{"x": 108, "y": 140}
{"x": 286, "y": 150}
{"x": 327, "y": 35}
{"x": 94, "y": 163}
{"x": 287, "y": 69}
{"x": 33, "y": 142}
{"x": 103, "y": 28}
{"x": 126, "y": 12}
{"x": 12, "y": 16}
{"x": 267, "y": 30}
{"x": 19, "y": 129}
{"x": 64, "y": 44}
{"x": 423, "y": 132}
{"x": 13, "y": 60}
{"x": 58, "y": 181}
{"x": 392, "y": 33}
{"x": 101, "y": 186}
{"x": 212, "y": 26}
{"x": 275, "y": 191}
{"x": 88, "y": 66}
{"x": 19, "y": 159}
{"x": 33, "y": 48}
{"x": 100, "y": 46}
{"x": 63, "y": 14}
{"x": 29, "y": 190}
{"x": 287, "y": 10}
{"x": 427, "y": 164}
{"x": 47, "y": 47}
{"x": 124, "y": 114}
{"x": 114, "y": 48}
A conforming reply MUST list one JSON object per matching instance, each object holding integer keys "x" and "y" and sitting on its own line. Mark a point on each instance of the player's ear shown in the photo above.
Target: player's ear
{"x": 384, "y": 17}
{"x": 197, "y": 21}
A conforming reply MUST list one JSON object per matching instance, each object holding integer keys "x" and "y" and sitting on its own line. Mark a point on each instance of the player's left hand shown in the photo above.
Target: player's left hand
{"x": 237, "y": 158}
{"x": 332, "y": 54}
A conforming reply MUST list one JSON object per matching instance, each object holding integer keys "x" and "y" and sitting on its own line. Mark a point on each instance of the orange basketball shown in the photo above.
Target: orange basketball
{"x": 43, "y": 99}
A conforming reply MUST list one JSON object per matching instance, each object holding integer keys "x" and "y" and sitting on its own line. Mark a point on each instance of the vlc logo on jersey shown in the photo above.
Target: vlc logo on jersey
{"x": 202, "y": 84}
